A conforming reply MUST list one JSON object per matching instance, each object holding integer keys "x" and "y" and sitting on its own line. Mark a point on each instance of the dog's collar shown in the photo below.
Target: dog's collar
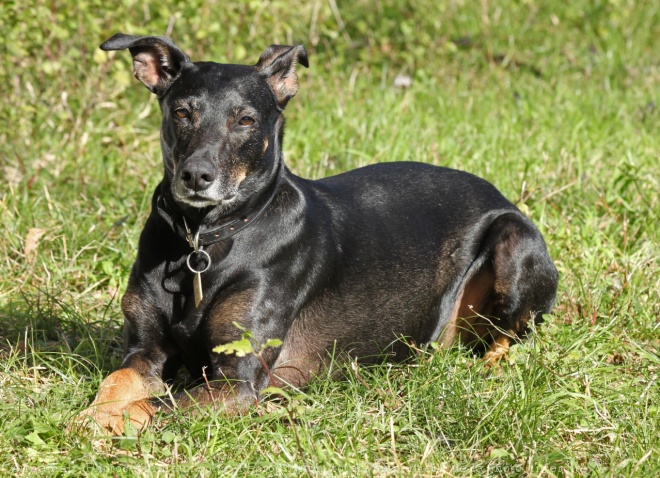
{"x": 211, "y": 235}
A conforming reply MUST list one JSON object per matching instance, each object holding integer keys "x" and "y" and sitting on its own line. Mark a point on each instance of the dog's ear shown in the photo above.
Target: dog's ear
{"x": 157, "y": 61}
{"x": 277, "y": 65}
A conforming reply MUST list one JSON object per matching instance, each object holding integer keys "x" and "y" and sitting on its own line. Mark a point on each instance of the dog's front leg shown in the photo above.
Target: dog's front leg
{"x": 234, "y": 378}
{"x": 230, "y": 396}
{"x": 125, "y": 393}
{"x": 234, "y": 387}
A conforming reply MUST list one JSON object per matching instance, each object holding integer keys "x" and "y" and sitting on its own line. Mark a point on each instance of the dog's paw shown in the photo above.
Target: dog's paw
{"x": 499, "y": 349}
{"x": 123, "y": 398}
{"x": 108, "y": 421}
{"x": 98, "y": 422}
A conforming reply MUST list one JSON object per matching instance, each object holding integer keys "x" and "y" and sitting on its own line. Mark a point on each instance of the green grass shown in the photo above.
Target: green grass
{"x": 557, "y": 104}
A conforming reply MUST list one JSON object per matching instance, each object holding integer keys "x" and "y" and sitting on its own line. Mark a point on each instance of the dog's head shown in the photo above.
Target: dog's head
{"x": 222, "y": 124}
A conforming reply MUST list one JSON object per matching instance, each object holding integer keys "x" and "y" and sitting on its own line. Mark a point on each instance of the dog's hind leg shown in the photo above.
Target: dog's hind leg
{"x": 512, "y": 283}
{"x": 525, "y": 283}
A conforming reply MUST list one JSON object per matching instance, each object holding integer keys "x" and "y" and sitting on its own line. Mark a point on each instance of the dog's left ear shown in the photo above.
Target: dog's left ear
{"x": 157, "y": 61}
{"x": 277, "y": 65}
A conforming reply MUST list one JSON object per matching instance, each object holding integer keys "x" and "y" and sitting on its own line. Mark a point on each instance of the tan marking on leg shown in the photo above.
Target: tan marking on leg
{"x": 305, "y": 351}
{"x": 295, "y": 370}
{"x": 469, "y": 321}
{"x": 122, "y": 391}
{"x": 233, "y": 308}
{"x": 140, "y": 413}
{"x": 451, "y": 331}
{"x": 498, "y": 349}
{"x": 120, "y": 388}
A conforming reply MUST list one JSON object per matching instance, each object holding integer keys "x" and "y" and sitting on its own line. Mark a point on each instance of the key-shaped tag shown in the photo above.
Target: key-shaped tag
{"x": 198, "y": 252}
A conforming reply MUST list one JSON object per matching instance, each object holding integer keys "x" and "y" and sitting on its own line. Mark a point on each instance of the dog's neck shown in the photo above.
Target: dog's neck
{"x": 218, "y": 230}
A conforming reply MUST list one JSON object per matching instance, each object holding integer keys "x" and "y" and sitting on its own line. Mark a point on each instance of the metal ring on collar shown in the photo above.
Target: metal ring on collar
{"x": 208, "y": 259}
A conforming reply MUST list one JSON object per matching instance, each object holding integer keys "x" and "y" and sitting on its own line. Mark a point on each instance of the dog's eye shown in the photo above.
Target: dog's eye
{"x": 246, "y": 121}
{"x": 182, "y": 113}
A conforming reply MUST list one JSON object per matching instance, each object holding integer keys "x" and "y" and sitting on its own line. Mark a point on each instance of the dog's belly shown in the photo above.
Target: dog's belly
{"x": 405, "y": 234}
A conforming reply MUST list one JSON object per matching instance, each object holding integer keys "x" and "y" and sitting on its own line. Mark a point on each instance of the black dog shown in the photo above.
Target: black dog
{"x": 348, "y": 264}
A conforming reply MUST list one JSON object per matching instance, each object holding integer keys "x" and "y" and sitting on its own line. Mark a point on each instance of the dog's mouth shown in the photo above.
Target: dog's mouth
{"x": 210, "y": 196}
{"x": 199, "y": 200}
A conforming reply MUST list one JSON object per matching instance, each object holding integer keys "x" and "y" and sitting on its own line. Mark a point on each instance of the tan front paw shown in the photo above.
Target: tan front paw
{"x": 123, "y": 398}
{"x": 114, "y": 421}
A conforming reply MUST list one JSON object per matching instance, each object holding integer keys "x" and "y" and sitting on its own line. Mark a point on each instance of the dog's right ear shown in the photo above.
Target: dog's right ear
{"x": 157, "y": 61}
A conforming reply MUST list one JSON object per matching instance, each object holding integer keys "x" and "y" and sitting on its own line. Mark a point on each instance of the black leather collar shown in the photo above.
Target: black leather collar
{"x": 211, "y": 235}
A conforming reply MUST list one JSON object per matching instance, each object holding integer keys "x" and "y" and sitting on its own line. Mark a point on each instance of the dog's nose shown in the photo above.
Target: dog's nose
{"x": 198, "y": 175}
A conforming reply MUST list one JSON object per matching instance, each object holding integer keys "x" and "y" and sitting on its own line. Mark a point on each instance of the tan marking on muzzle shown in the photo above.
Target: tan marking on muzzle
{"x": 265, "y": 146}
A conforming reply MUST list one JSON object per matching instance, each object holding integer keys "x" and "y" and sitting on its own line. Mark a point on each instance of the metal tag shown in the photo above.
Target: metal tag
{"x": 197, "y": 274}
{"x": 197, "y": 288}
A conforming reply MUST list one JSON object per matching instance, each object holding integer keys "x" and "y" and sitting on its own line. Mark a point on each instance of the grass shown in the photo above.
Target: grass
{"x": 555, "y": 104}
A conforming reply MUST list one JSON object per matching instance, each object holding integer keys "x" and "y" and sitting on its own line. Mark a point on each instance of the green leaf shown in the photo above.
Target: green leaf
{"x": 240, "y": 347}
{"x": 271, "y": 343}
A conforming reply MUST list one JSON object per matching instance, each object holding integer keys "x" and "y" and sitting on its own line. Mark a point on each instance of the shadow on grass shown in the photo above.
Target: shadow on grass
{"x": 41, "y": 322}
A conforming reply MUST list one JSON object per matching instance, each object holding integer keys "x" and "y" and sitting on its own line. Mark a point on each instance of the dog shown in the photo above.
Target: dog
{"x": 347, "y": 265}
